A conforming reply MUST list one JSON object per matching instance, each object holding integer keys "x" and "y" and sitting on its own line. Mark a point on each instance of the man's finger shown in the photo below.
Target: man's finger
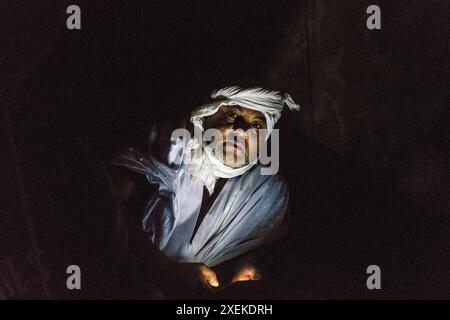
{"x": 210, "y": 276}
{"x": 242, "y": 277}
{"x": 212, "y": 280}
{"x": 247, "y": 274}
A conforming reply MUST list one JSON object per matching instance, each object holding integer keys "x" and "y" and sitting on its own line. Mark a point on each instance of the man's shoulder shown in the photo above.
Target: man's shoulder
{"x": 273, "y": 182}
{"x": 160, "y": 141}
{"x": 161, "y": 131}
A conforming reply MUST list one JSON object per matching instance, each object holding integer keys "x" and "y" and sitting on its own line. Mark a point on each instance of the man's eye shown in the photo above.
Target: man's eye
{"x": 257, "y": 125}
{"x": 231, "y": 114}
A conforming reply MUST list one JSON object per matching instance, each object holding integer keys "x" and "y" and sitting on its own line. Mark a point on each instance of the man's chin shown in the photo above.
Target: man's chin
{"x": 234, "y": 159}
{"x": 234, "y": 165}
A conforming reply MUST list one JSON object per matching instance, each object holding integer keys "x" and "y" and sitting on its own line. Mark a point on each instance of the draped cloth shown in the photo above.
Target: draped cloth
{"x": 204, "y": 164}
{"x": 250, "y": 210}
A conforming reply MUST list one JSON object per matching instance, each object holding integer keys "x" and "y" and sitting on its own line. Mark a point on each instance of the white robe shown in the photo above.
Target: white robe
{"x": 249, "y": 211}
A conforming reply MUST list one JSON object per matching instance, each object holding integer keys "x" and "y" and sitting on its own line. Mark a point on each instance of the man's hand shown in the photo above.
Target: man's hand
{"x": 209, "y": 276}
{"x": 197, "y": 275}
{"x": 247, "y": 272}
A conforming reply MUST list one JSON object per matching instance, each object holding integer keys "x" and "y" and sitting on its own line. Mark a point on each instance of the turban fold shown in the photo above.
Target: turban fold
{"x": 203, "y": 162}
{"x": 270, "y": 103}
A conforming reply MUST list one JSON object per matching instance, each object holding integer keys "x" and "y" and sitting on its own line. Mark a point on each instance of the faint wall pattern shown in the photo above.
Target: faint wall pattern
{"x": 373, "y": 96}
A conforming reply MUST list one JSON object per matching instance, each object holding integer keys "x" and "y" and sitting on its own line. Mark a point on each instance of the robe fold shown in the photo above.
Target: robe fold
{"x": 249, "y": 211}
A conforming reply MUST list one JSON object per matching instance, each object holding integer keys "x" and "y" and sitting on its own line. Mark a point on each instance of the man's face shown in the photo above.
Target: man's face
{"x": 242, "y": 122}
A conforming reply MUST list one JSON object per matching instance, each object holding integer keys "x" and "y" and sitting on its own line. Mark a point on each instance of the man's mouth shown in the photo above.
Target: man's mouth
{"x": 233, "y": 145}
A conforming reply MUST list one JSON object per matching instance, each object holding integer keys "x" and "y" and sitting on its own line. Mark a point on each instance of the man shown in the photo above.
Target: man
{"x": 213, "y": 203}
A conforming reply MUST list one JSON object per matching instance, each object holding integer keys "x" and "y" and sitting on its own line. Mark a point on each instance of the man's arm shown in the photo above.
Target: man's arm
{"x": 131, "y": 191}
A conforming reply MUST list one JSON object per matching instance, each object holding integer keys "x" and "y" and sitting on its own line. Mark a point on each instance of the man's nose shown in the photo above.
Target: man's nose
{"x": 240, "y": 123}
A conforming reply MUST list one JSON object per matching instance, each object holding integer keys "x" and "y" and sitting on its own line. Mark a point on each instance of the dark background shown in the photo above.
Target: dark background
{"x": 367, "y": 157}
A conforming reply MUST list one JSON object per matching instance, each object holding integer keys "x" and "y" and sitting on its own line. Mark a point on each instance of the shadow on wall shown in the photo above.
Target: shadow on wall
{"x": 379, "y": 97}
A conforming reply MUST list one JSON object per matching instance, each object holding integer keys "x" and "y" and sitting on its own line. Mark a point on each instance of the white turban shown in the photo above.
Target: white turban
{"x": 248, "y": 213}
{"x": 203, "y": 162}
{"x": 270, "y": 103}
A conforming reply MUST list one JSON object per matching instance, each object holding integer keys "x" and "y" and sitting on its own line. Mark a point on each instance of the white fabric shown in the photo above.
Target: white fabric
{"x": 250, "y": 210}
{"x": 204, "y": 163}
{"x": 270, "y": 103}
